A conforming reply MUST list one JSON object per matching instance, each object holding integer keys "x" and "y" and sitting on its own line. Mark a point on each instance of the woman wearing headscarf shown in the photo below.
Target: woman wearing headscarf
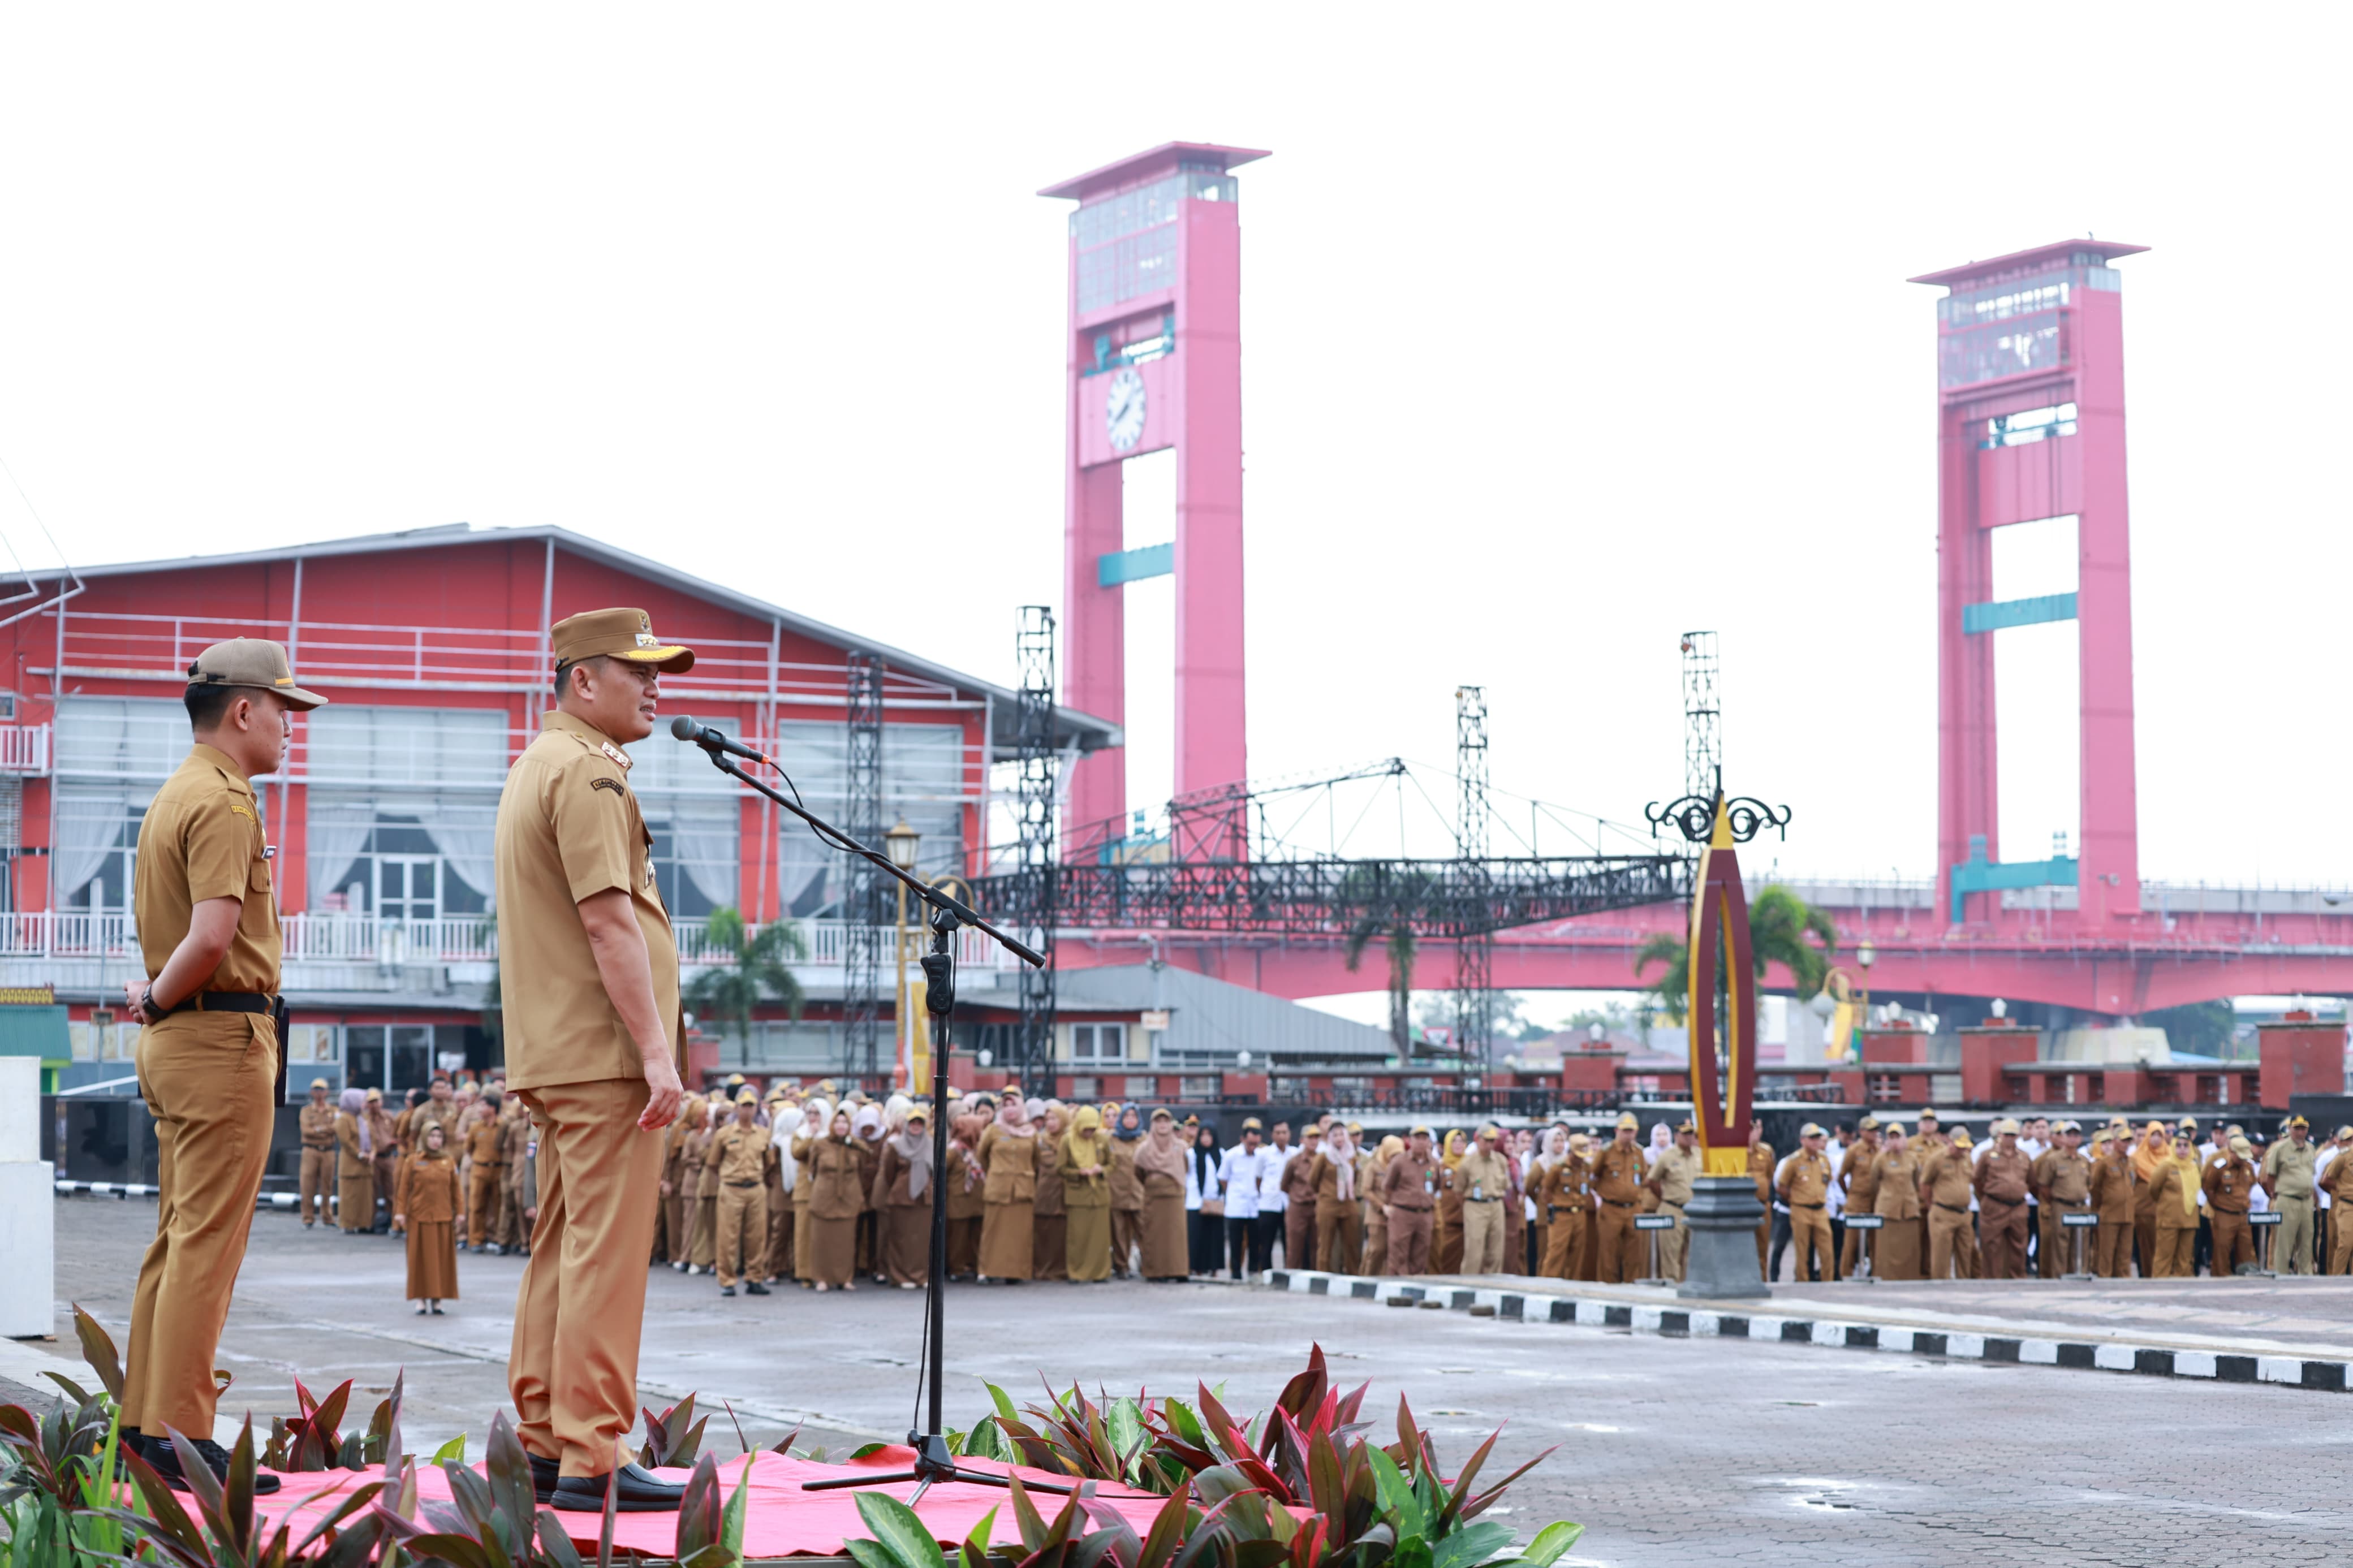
{"x": 355, "y": 1164}
{"x": 386, "y": 1138}
{"x": 429, "y": 1213}
{"x": 1085, "y": 1174}
{"x": 967, "y": 1204}
{"x": 834, "y": 1172}
{"x": 1564, "y": 1204}
{"x": 1205, "y": 1202}
{"x": 702, "y": 1178}
{"x": 867, "y": 1129}
{"x": 1339, "y": 1220}
{"x": 1049, "y": 1220}
{"x": 816, "y": 1116}
{"x": 1895, "y": 1251}
{"x": 1377, "y": 1213}
{"x": 902, "y": 1195}
{"x": 1008, "y": 1162}
{"x": 1126, "y": 1187}
{"x": 784, "y": 1175}
{"x": 2154, "y": 1149}
{"x": 2173, "y": 1201}
{"x": 1445, "y": 1245}
{"x": 1161, "y": 1163}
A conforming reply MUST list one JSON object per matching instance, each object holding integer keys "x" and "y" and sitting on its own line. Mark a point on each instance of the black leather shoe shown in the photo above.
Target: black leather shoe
{"x": 544, "y": 1474}
{"x": 164, "y": 1459}
{"x": 638, "y": 1492}
{"x": 755, "y": 1288}
{"x": 727, "y": 1290}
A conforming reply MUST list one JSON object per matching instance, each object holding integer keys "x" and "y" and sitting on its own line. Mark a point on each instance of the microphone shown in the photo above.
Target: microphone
{"x": 711, "y": 739}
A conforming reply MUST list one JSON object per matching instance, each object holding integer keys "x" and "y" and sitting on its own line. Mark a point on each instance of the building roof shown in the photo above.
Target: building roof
{"x": 1167, "y": 155}
{"x": 2027, "y": 260}
{"x": 1084, "y": 730}
{"x": 1208, "y": 1015}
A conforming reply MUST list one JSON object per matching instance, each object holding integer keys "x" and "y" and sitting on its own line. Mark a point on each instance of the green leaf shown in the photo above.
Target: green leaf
{"x": 1003, "y": 1405}
{"x": 452, "y": 1452}
{"x": 98, "y": 1348}
{"x": 75, "y": 1391}
{"x": 865, "y": 1449}
{"x": 976, "y": 1544}
{"x": 1186, "y": 1425}
{"x": 1551, "y": 1540}
{"x": 1471, "y": 1544}
{"x": 731, "y": 1522}
{"x": 894, "y": 1524}
{"x": 1412, "y": 1551}
{"x": 556, "y": 1541}
{"x": 1397, "y": 1500}
{"x": 1025, "y": 1516}
{"x": 1125, "y": 1423}
{"x": 870, "y": 1554}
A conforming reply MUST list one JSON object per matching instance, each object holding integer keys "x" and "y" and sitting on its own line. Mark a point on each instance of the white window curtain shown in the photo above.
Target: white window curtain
{"x": 464, "y": 831}
{"x": 381, "y": 749}
{"x": 922, "y": 782}
{"x": 90, "y": 818}
{"x": 338, "y": 828}
{"x": 705, "y": 837}
{"x": 110, "y": 739}
{"x": 463, "y": 828}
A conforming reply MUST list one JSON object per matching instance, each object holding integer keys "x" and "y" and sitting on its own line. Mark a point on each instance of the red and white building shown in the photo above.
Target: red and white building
{"x": 432, "y": 646}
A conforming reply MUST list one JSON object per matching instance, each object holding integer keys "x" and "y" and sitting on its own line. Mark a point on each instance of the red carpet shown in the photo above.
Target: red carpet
{"x": 780, "y": 1521}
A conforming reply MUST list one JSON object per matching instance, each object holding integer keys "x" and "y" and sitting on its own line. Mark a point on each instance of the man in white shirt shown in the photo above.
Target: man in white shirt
{"x": 1245, "y": 1172}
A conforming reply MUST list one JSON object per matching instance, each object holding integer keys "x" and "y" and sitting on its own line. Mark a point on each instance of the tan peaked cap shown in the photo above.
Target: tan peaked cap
{"x": 623, "y": 634}
{"x": 252, "y": 661}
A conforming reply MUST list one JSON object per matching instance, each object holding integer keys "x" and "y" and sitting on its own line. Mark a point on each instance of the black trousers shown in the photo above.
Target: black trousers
{"x": 1264, "y": 1231}
{"x": 1780, "y": 1243}
{"x": 1204, "y": 1239}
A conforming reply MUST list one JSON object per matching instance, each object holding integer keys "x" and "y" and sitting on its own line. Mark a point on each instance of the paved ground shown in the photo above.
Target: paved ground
{"x": 1671, "y": 1451}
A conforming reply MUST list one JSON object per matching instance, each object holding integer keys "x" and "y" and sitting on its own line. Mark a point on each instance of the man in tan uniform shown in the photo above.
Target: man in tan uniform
{"x": 1804, "y": 1183}
{"x": 486, "y": 1155}
{"x": 1859, "y": 1174}
{"x": 209, "y": 1051}
{"x": 1618, "y": 1175}
{"x": 1485, "y": 1179}
{"x": 2061, "y": 1182}
{"x": 738, "y": 1157}
{"x": 2001, "y": 1183}
{"x": 514, "y": 1148}
{"x": 2338, "y": 1182}
{"x": 2287, "y": 1174}
{"x": 589, "y": 968}
{"x": 318, "y": 1127}
{"x": 1760, "y": 1171}
{"x": 1408, "y": 1193}
{"x": 2229, "y": 1180}
{"x": 1945, "y": 1176}
{"x": 1672, "y": 1174}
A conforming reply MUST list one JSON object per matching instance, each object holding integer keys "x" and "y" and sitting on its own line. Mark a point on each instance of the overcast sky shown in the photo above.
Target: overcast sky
{"x": 1566, "y": 329}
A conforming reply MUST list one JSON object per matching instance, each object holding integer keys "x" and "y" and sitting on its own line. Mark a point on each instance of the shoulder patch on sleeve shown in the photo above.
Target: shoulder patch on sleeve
{"x": 243, "y": 811}
{"x": 602, "y": 782}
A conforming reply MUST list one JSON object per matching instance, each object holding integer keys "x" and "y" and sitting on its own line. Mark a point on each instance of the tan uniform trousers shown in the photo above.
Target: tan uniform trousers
{"x": 482, "y": 1204}
{"x": 1339, "y": 1237}
{"x": 743, "y": 1241}
{"x": 206, "y": 1078}
{"x": 1482, "y": 1235}
{"x": 1299, "y": 1235}
{"x": 703, "y": 1249}
{"x": 1952, "y": 1244}
{"x": 1126, "y": 1234}
{"x": 387, "y": 1180}
{"x": 1377, "y": 1239}
{"x": 2235, "y": 1242}
{"x": 1812, "y": 1259}
{"x": 779, "y": 1265}
{"x": 2340, "y": 1250}
{"x": 1409, "y": 1240}
{"x": 2176, "y": 1252}
{"x": 2002, "y": 1239}
{"x": 2111, "y": 1244}
{"x": 573, "y": 1367}
{"x": 1673, "y": 1244}
{"x": 2058, "y": 1241}
{"x": 2291, "y": 1240}
{"x": 1564, "y": 1243}
{"x": 318, "y": 1183}
{"x": 1623, "y": 1250}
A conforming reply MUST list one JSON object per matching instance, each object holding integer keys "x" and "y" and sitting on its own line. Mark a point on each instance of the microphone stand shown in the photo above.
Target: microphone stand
{"x": 933, "y": 1463}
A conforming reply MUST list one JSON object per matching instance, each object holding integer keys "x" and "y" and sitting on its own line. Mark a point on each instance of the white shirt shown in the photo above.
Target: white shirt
{"x": 1193, "y": 1193}
{"x": 1271, "y": 1199}
{"x": 2320, "y": 1169}
{"x": 1247, "y": 1174}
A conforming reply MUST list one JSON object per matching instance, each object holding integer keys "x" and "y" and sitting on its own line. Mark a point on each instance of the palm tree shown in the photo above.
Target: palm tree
{"x": 758, "y": 969}
{"x": 1779, "y": 924}
{"x": 1400, "y": 944}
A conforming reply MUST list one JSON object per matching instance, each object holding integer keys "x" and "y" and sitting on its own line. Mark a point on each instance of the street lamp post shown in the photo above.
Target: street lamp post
{"x": 1864, "y": 955}
{"x": 901, "y": 842}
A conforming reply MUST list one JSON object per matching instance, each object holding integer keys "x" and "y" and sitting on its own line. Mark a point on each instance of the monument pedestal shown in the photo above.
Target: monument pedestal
{"x": 1721, "y": 1259}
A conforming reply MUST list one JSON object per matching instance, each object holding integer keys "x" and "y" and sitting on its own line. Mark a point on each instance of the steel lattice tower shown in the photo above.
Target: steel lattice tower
{"x": 1474, "y": 1001}
{"x": 1034, "y": 796}
{"x": 1702, "y": 718}
{"x": 861, "y": 904}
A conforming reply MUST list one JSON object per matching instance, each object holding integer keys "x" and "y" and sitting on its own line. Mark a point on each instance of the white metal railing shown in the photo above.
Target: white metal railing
{"x": 459, "y": 939}
{"x": 23, "y": 748}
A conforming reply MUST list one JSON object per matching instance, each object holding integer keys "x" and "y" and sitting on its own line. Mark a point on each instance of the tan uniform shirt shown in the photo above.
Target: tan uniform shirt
{"x": 1411, "y": 1181}
{"x": 1805, "y": 1182}
{"x": 1618, "y": 1174}
{"x": 2112, "y": 1188}
{"x": 201, "y": 839}
{"x": 1009, "y": 1164}
{"x": 1899, "y": 1185}
{"x": 2061, "y": 1178}
{"x": 2002, "y": 1177}
{"x": 1948, "y": 1175}
{"x": 2287, "y": 1170}
{"x": 318, "y": 1126}
{"x": 1483, "y": 1177}
{"x": 1566, "y": 1185}
{"x": 1673, "y": 1173}
{"x": 2228, "y": 1179}
{"x": 1860, "y": 1174}
{"x": 568, "y": 828}
{"x": 486, "y": 1144}
{"x": 739, "y": 1153}
{"x": 1761, "y": 1166}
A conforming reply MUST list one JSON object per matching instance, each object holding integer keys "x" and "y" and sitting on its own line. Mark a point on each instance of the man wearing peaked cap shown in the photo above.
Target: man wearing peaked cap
{"x": 2335, "y": 1180}
{"x": 211, "y": 1048}
{"x": 2001, "y": 1183}
{"x": 1804, "y": 1183}
{"x": 2061, "y": 1182}
{"x": 1619, "y": 1171}
{"x": 1409, "y": 1192}
{"x": 317, "y": 1125}
{"x": 594, "y": 1033}
{"x": 2288, "y": 1175}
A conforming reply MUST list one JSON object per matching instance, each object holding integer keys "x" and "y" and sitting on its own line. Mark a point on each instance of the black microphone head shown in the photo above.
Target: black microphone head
{"x": 682, "y": 728}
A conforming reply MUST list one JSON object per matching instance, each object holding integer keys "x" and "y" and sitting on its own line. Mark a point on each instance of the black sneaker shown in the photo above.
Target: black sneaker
{"x": 164, "y": 1457}
{"x": 727, "y": 1290}
{"x": 755, "y": 1288}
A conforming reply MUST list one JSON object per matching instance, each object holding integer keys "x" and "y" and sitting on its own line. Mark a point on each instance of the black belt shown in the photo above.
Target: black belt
{"x": 220, "y": 1002}
{"x": 1614, "y": 1203}
{"x": 1954, "y": 1208}
{"x": 743, "y": 1184}
{"x": 1807, "y": 1206}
